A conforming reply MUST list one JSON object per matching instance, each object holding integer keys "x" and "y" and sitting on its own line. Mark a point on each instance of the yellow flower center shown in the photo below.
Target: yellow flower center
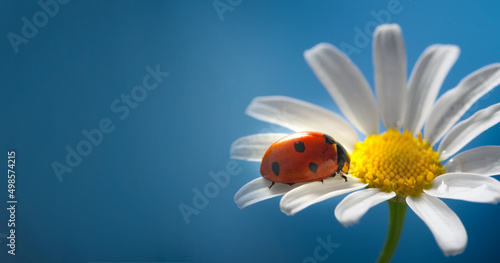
{"x": 395, "y": 162}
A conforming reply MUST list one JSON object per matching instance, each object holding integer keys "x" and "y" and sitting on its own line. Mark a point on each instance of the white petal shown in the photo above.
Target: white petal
{"x": 482, "y": 160}
{"x": 455, "y": 102}
{"x": 355, "y": 205}
{"x": 309, "y": 194}
{"x": 346, "y": 85}
{"x": 444, "y": 224}
{"x": 466, "y": 130}
{"x": 258, "y": 190}
{"x": 389, "y": 59}
{"x": 425, "y": 82}
{"x": 466, "y": 187}
{"x": 299, "y": 115}
{"x": 253, "y": 147}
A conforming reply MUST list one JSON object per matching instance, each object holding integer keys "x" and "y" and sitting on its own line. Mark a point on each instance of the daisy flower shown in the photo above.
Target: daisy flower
{"x": 397, "y": 165}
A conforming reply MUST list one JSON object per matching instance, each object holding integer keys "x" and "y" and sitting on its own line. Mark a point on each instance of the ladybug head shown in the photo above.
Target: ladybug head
{"x": 343, "y": 159}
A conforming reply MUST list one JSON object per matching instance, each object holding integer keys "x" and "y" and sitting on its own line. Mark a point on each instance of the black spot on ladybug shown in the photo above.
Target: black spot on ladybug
{"x": 299, "y": 146}
{"x": 276, "y": 168}
{"x": 313, "y": 167}
{"x": 329, "y": 139}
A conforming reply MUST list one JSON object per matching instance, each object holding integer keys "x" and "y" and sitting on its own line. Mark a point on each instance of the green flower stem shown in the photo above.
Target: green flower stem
{"x": 397, "y": 212}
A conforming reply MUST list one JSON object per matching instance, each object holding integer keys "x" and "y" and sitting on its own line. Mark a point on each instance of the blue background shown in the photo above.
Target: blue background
{"x": 120, "y": 204}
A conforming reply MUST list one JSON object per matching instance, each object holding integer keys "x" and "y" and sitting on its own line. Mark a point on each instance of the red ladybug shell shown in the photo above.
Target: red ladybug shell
{"x": 303, "y": 157}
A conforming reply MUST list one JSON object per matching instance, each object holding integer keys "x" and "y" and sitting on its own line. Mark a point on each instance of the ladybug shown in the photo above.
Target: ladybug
{"x": 304, "y": 157}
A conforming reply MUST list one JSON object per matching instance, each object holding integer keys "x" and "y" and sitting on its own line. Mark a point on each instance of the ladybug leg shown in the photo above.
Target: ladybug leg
{"x": 341, "y": 174}
{"x": 345, "y": 178}
{"x": 271, "y": 185}
{"x": 291, "y": 184}
{"x": 322, "y": 181}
